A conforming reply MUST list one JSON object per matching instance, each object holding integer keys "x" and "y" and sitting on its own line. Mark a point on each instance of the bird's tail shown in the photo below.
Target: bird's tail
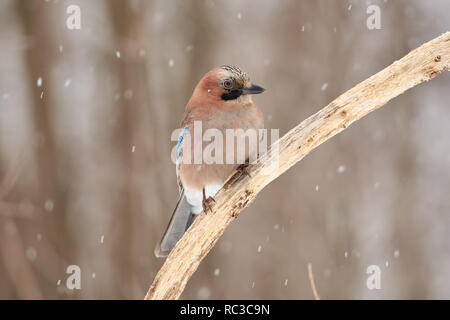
{"x": 179, "y": 223}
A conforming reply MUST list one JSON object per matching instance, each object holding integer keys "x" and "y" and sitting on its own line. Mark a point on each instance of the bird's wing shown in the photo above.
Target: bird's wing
{"x": 179, "y": 222}
{"x": 179, "y": 155}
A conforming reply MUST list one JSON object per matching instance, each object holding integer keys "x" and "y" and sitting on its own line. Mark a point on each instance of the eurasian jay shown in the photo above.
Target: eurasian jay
{"x": 222, "y": 100}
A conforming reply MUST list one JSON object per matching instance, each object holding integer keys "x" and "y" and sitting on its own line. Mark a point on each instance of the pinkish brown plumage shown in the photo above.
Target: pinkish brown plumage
{"x": 221, "y": 100}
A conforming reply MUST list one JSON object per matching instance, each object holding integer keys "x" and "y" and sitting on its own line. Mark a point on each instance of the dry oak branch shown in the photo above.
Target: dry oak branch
{"x": 421, "y": 64}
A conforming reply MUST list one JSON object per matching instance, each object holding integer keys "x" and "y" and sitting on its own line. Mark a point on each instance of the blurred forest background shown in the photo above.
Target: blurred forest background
{"x": 86, "y": 177}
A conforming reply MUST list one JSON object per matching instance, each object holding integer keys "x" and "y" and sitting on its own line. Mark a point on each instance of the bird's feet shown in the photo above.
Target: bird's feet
{"x": 241, "y": 170}
{"x": 244, "y": 169}
{"x": 208, "y": 204}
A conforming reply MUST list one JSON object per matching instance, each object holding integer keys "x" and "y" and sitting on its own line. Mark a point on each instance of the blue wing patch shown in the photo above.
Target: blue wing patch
{"x": 180, "y": 140}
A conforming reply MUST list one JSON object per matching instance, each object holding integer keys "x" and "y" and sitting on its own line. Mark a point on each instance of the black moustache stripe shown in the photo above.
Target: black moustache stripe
{"x": 233, "y": 94}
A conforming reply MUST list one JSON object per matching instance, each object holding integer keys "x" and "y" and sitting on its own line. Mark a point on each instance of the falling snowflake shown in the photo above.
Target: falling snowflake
{"x": 324, "y": 86}
{"x": 239, "y": 15}
{"x": 341, "y": 169}
{"x": 118, "y": 54}
{"x": 67, "y": 82}
{"x": 128, "y": 94}
{"x": 217, "y": 272}
{"x": 39, "y": 82}
{"x": 226, "y": 246}
{"x": 259, "y": 249}
{"x": 204, "y": 293}
{"x": 31, "y": 253}
{"x": 317, "y": 187}
{"x": 102, "y": 239}
{"x": 171, "y": 63}
{"x": 49, "y": 205}
{"x": 396, "y": 253}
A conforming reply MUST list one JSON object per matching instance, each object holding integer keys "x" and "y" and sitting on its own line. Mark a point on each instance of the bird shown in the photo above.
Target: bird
{"x": 222, "y": 100}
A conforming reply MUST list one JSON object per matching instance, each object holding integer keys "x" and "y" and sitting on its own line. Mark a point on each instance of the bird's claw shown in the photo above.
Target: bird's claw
{"x": 244, "y": 169}
{"x": 208, "y": 204}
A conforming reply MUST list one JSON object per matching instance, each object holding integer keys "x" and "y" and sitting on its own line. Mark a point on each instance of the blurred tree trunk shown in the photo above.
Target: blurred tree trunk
{"x": 129, "y": 26}
{"x": 40, "y": 55}
{"x": 19, "y": 272}
{"x": 321, "y": 59}
{"x": 409, "y": 224}
{"x": 202, "y": 44}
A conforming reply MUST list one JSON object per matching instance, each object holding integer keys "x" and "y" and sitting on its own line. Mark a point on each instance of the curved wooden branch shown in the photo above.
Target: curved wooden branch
{"x": 421, "y": 64}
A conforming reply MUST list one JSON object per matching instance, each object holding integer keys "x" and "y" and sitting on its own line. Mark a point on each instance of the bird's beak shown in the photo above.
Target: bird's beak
{"x": 254, "y": 89}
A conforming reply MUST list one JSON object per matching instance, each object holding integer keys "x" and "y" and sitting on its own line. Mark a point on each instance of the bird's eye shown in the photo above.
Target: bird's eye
{"x": 227, "y": 84}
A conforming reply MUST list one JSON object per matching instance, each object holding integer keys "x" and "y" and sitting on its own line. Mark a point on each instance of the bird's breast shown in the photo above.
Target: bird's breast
{"x": 218, "y": 159}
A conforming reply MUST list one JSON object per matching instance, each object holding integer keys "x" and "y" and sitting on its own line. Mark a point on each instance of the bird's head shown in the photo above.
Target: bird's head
{"x": 227, "y": 84}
